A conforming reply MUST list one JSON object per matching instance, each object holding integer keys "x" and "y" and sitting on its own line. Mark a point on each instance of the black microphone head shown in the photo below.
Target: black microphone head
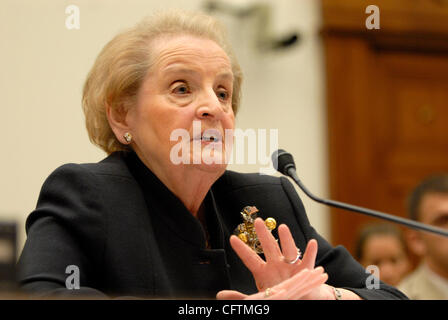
{"x": 282, "y": 161}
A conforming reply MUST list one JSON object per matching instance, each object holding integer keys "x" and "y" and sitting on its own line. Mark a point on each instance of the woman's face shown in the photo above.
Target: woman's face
{"x": 388, "y": 254}
{"x": 184, "y": 106}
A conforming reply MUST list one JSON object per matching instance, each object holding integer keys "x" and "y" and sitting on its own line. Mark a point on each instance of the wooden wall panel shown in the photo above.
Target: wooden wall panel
{"x": 387, "y": 104}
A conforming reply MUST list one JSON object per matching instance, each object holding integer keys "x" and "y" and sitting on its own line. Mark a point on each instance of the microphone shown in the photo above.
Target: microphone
{"x": 284, "y": 163}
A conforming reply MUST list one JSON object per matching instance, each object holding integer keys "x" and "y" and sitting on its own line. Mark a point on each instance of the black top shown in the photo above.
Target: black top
{"x": 130, "y": 235}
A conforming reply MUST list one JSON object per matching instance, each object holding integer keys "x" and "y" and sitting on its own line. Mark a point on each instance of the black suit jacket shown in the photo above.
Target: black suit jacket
{"x": 129, "y": 235}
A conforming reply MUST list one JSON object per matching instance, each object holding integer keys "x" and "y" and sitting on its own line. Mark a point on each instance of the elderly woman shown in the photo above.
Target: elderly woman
{"x": 142, "y": 223}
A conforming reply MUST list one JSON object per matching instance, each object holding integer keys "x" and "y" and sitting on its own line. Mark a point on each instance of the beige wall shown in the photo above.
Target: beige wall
{"x": 44, "y": 64}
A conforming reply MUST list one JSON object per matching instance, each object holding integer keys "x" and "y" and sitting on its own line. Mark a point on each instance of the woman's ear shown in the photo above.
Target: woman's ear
{"x": 117, "y": 118}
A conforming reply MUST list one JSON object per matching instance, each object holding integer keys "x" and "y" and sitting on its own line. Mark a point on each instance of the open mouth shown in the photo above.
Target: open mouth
{"x": 210, "y": 135}
{"x": 210, "y": 139}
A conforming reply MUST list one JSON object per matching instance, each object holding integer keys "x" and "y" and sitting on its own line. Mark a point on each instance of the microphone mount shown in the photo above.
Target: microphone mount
{"x": 284, "y": 163}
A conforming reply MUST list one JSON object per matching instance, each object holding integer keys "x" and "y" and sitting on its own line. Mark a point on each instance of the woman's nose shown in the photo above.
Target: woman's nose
{"x": 209, "y": 107}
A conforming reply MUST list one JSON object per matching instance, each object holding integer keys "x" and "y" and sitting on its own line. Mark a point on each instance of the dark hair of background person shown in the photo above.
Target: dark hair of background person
{"x": 432, "y": 184}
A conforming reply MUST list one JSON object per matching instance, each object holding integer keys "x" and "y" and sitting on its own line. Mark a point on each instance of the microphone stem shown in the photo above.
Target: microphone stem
{"x": 291, "y": 172}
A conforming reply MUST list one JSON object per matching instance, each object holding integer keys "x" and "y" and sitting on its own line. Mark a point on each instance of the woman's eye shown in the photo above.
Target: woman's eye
{"x": 223, "y": 95}
{"x": 181, "y": 89}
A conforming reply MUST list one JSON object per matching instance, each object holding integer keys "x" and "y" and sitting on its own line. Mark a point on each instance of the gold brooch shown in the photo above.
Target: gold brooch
{"x": 246, "y": 230}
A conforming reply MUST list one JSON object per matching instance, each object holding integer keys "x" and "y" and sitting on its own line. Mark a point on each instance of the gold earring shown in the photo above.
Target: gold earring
{"x": 128, "y": 137}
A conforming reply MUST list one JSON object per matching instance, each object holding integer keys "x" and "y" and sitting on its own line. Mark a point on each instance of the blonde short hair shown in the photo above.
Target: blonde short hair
{"x": 123, "y": 63}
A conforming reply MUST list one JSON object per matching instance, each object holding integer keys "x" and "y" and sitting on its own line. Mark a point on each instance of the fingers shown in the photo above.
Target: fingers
{"x": 295, "y": 287}
{"x": 270, "y": 246}
{"x": 300, "y": 279}
{"x": 313, "y": 280}
{"x": 230, "y": 295}
{"x": 274, "y": 270}
{"x": 280, "y": 295}
{"x": 289, "y": 248}
{"x": 275, "y": 294}
{"x": 309, "y": 258}
{"x": 250, "y": 259}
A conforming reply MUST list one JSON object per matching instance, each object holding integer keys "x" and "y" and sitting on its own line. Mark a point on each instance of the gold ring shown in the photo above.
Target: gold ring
{"x": 267, "y": 292}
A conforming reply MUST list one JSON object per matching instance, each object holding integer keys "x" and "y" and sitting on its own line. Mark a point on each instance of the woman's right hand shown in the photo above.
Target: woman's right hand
{"x": 276, "y": 268}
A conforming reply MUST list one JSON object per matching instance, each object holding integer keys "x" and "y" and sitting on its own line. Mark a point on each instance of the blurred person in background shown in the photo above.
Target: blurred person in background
{"x": 384, "y": 246}
{"x": 428, "y": 203}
